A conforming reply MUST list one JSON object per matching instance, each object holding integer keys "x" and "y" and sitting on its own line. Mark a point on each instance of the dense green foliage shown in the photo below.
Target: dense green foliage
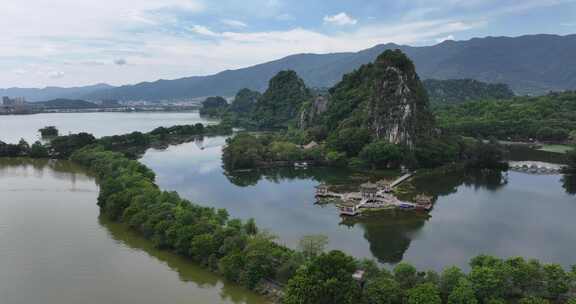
{"x": 571, "y": 162}
{"x": 214, "y": 106}
{"x": 240, "y": 252}
{"x": 64, "y": 146}
{"x": 246, "y": 151}
{"x": 546, "y": 118}
{"x": 128, "y": 194}
{"x": 245, "y": 101}
{"x": 280, "y": 104}
{"x": 456, "y": 91}
{"x": 327, "y": 279}
{"x": 49, "y": 131}
{"x": 381, "y": 154}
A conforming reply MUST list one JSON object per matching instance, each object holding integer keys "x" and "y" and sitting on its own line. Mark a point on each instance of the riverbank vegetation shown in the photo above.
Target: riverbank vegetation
{"x": 549, "y": 118}
{"x": 571, "y": 163}
{"x": 132, "y": 144}
{"x": 243, "y": 253}
{"x": 249, "y": 151}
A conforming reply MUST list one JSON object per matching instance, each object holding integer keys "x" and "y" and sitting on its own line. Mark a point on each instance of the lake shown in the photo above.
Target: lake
{"x": 503, "y": 214}
{"x": 52, "y": 238}
{"x": 54, "y": 248}
{"x": 15, "y": 127}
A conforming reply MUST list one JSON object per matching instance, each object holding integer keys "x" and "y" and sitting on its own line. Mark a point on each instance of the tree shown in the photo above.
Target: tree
{"x": 557, "y": 280}
{"x": 64, "y": 146}
{"x": 572, "y": 136}
{"x": 312, "y": 245}
{"x": 381, "y": 154}
{"x": 250, "y": 227}
{"x": 487, "y": 282}
{"x": 527, "y": 277}
{"x": 463, "y": 293}
{"x": 24, "y": 147}
{"x": 244, "y": 101}
{"x": 38, "y": 150}
{"x": 49, "y": 131}
{"x": 571, "y": 162}
{"x": 349, "y": 140}
{"x": 406, "y": 275}
{"x": 449, "y": 279}
{"x": 424, "y": 294}
{"x": 383, "y": 290}
{"x": 533, "y": 300}
{"x": 242, "y": 151}
{"x": 326, "y": 279}
{"x": 486, "y": 155}
{"x": 336, "y": 158}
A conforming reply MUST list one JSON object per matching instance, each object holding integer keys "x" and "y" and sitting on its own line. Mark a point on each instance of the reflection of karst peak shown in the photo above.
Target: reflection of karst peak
{"x": 390, "y": 234}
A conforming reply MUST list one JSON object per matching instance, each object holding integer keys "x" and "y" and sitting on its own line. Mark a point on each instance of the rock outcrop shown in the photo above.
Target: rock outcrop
{"x": 385, "y": 97}
{"x": 312, "y": 111}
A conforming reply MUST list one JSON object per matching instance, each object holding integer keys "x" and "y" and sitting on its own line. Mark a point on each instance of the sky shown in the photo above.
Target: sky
{"x": 82, "y": 42}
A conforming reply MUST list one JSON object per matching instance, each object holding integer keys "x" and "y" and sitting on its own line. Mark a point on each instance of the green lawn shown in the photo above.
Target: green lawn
{"x": 556, "y": 148}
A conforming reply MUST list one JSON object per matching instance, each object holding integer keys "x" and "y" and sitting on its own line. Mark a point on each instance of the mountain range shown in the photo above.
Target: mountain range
{"x": 532, "y": 64}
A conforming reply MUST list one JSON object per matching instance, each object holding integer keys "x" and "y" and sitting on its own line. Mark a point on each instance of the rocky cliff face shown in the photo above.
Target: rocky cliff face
{"x": 312, "y": 111}
{"x": 386, "y": 97}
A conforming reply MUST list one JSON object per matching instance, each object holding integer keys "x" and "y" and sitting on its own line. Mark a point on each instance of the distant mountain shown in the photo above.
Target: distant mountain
{"x": 66, "y": 103}
{"x": 454, "y": 91}
{"x": 48, "y": 93}
{"x": 531, "y": 64}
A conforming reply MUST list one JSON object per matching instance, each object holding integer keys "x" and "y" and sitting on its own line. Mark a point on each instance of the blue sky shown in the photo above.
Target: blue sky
{"x": 79, "y": 42}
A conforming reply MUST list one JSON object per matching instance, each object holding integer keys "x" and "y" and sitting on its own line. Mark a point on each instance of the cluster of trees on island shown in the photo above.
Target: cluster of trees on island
{"x": 356, "y": 123}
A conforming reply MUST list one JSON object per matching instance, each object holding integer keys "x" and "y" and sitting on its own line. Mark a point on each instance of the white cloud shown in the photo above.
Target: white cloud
{"x": 340, "y": 19}
{"x": 445, "y": 38}
{"x": 55, "y": 74}
{"x": 76, "y": 42}
{"x": 234, "y": 23}
{"x": 204, "y": 31}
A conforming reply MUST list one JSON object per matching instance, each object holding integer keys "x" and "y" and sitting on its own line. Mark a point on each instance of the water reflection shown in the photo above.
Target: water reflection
{"x": 476, "y": 211}
{"x": 569, "y": 183}
{"x": 187, "y": 271}
{"x": 390, "y": 233}
{"x": 52, "y": 241}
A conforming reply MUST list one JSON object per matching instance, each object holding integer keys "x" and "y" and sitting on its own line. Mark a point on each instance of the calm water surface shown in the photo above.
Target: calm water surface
{"x": 55, "y": 250}
{"x": 505, "y": 214}
{"x": 15, "y": 127}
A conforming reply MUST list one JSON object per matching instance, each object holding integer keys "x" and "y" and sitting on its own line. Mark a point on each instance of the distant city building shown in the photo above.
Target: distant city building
{"x": 7, "y": 101}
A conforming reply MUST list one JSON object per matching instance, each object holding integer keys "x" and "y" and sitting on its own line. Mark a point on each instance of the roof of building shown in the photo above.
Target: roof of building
{"x": 311, "y": 145}
{"x": 369, "y": 186}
